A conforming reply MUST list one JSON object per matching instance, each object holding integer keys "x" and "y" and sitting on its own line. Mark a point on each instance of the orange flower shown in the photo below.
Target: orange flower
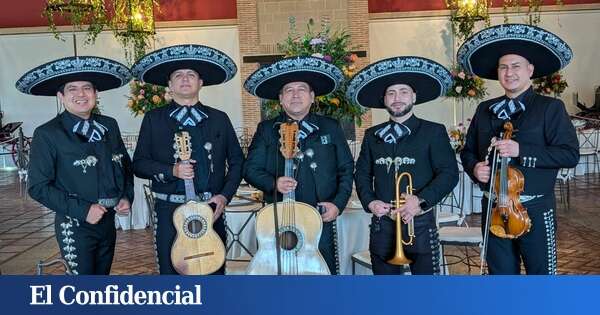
{"x": 156, "y": 99}
{"x": 130, "y": 103}
{"x": 471, "y": 92}
{"x": 353, "y": 57}
{"x": 335, "y": 101}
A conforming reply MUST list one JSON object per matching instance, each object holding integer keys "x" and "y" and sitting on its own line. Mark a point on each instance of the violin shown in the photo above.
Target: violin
{"x": 509, "y": 217}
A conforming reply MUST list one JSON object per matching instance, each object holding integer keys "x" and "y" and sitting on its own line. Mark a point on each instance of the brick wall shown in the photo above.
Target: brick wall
{"x": 264, "y": 23}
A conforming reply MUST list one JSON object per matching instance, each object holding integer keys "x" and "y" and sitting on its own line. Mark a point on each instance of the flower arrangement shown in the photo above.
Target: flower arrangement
{"x": 466, "y": 86}
{"x": 457, "y": 135}
{"x": 551, "y": 84}
{"x": 145, "y": 97}
{"x": 333, "y": 48}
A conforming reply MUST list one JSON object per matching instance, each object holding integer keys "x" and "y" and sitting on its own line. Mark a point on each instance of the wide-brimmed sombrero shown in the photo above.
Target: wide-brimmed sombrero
{"x": 428, "y": 79}
{"x": 213, "y": 65}
{"x": 322, "y": 76}
{"x": 480, "y": 53}
{"x": 103, "y": 73}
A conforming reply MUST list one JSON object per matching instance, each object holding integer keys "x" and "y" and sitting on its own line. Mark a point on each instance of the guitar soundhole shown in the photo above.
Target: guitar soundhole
{"x": 288, "y": 240}
{"x": 195, "y": 226}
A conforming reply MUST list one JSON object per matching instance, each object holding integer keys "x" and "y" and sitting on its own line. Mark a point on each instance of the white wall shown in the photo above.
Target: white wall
{"x": 20, "y": 53}
{"x": 431, "y": 37}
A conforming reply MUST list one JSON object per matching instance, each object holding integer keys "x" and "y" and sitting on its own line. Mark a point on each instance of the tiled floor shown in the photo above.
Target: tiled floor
{"x": 27, "y": 234}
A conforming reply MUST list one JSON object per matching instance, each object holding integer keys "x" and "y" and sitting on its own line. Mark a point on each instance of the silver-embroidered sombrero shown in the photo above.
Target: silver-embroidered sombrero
{"x": 103, "y": 73}
{"x": 480, "y": 53}
{"x": 428, "y": 79}
{"x": 322, "y": 76}
{"x": 213, "y": 65}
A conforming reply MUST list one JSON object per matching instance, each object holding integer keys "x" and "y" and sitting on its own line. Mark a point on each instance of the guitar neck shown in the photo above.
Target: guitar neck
{"x": 190, "y": 192}
{"x": 289, "y": 172}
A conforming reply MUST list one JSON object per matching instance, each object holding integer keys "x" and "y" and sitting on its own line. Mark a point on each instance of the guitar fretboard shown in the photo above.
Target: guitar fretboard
{"x": 289, "y": 172}
{"x": 190, "y": 192}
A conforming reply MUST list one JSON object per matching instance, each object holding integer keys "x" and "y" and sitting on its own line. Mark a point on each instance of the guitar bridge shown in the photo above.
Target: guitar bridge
{"x": 198, "y": 255}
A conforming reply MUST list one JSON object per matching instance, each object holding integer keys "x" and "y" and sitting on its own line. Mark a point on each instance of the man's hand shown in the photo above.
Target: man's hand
{"x": 184, "y": 170}
{"x": 482, "y": 171}
{"x": 507, "y": 148}
{"x": 95, "y": 213}
{"x": 379, "y": 208}
{"x": 331, "y": 211}
{"x": 410, "y": 208}
{"x": 123, "y": 207}
{"x": 220, "y": 202}
{"x": 286, "y": 184}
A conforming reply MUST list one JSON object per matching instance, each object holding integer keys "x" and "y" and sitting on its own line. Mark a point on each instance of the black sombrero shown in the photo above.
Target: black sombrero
{"x": 322, "y": 76}
{"x": 480, "y": 53}
{"x": 428, "y": 79}
{"x": 103, "y": 73}
{"x": 213, "y": 65}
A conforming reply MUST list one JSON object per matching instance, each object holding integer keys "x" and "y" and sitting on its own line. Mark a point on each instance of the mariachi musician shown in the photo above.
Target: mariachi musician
{"x": 79, "y": 167}
{"x": 544, "y": 141}
{"x": 404, "y": 143}
{"x": 216, "y": 159}
{"x": 323, "y": 169}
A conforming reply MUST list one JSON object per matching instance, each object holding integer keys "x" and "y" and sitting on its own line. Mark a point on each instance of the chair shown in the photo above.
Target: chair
{"x": 564, "y": 177}
{"x": 589, "y": 149}
{"x": 247, "y": 211}
{"x": 461, "y": 234}
{"x": 453, "y": 203}
{"x": 362, "y": 258}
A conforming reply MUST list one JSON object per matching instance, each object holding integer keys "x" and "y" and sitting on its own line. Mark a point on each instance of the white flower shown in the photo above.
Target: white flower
{"x": 458, "y": 89}
{"x": 317, "y": 41}
{"x": 318, "y": 55}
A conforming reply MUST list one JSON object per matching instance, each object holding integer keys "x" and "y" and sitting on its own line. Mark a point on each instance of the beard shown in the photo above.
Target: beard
{"x": 406, "y": 110}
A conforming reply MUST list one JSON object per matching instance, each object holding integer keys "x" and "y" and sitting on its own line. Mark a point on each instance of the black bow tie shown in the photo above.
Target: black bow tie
{"x": 305, "y": 129}
{"x": 188, "y": 116}
{"x": 90, "y": 129}
{"x": 507, "y": 107}
{"x": 393, "y": 132}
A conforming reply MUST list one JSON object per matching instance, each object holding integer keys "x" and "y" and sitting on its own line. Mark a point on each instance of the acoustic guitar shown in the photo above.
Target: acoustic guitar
{"x": 288, "y": 239}
{"x": 198, "y": 249}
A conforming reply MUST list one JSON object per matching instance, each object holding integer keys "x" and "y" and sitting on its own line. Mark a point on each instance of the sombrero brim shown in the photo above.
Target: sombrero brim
{"x": 479, "y": 54}
{"x": 45, "y": 80}
{"x": 428, "y": 79}
{"x": 213, "y": 65}
{"x": 267, "y": 82}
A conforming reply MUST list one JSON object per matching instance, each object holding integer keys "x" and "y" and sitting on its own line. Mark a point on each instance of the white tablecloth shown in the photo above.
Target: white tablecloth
{"x": 139, "y": 209}
{"x": 352, "y": 229}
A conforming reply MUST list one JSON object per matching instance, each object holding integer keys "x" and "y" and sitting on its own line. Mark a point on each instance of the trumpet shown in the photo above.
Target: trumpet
{"x": 399, "y": 257}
